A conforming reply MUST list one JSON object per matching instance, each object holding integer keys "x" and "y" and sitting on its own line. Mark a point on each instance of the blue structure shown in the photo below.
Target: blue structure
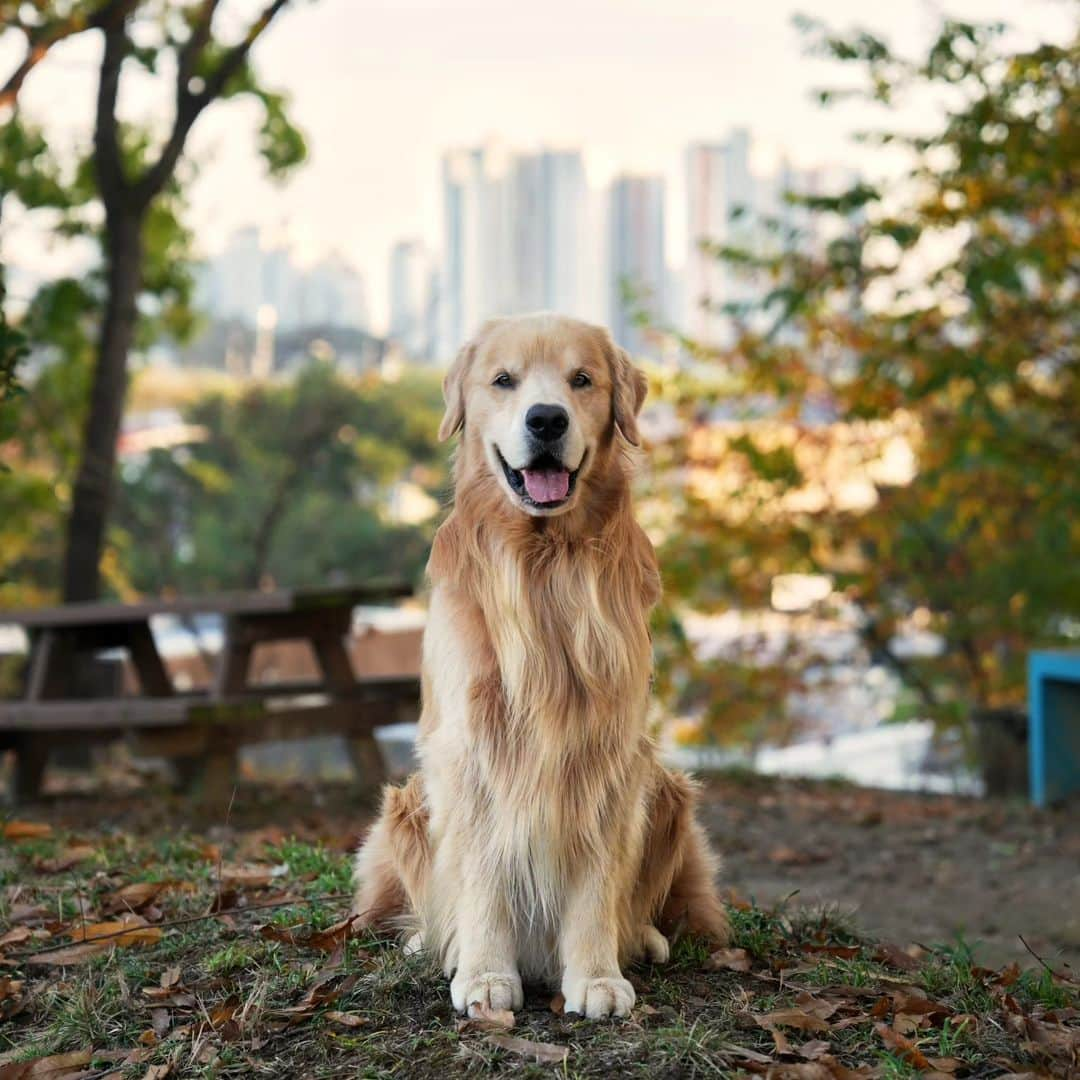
{"x": 1054, "y": 711}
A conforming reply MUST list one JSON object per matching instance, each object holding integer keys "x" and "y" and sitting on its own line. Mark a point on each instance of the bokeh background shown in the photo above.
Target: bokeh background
{"x": 238, "y": 254}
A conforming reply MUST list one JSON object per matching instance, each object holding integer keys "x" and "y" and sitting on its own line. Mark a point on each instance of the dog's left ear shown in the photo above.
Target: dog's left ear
{"x": 454, "y": 392}
{"x": 629, "y": 389}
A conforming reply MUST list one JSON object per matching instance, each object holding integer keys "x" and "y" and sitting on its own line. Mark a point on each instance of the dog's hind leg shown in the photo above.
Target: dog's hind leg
{"x": 693, "y": 902}
{"x": 677, "y": 886}
{"x": 392, "y": 864}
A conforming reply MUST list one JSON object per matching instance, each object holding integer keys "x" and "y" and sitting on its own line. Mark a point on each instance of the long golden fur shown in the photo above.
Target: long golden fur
{"x": 541, "y": 836}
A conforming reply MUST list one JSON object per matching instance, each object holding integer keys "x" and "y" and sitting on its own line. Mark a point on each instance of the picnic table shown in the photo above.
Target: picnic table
{"x": 201, "y": 730}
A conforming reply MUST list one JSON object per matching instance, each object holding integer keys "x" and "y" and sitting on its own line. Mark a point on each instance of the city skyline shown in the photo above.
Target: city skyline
{"x": 380, "y": 88}
{"x": 524, "y": 231}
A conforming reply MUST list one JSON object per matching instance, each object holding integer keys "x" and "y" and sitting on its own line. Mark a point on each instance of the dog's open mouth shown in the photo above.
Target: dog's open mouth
{"x": 546, "y": 483}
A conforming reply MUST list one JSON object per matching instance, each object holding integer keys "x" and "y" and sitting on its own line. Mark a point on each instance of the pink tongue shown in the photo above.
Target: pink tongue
{"x": 545, "y": 487}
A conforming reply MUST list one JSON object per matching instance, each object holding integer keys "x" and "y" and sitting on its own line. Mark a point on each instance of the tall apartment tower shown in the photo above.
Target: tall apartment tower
{"x": 720, "y": 204}
{"x": 478, "y": 274}
{"x": 637, "y": 262}
{"x": 410, "y": 298}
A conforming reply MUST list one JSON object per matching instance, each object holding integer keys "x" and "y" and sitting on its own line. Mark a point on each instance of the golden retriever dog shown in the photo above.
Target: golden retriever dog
{"x": 541, "y": 837}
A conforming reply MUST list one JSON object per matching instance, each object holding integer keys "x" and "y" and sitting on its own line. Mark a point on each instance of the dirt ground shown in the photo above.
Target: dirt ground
{"x": 910, "y": 868}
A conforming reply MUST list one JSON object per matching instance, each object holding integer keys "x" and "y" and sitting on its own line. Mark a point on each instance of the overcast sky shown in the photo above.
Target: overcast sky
{"x": 381, "y": 87}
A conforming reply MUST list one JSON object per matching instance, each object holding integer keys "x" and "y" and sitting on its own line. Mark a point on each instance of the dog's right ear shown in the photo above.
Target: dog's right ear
{"x": 454, "y": 392}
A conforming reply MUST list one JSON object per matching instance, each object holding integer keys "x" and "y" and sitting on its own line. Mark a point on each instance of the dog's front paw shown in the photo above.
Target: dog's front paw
{"x": 490, "y": 990}
{"x": 597, "y": 998}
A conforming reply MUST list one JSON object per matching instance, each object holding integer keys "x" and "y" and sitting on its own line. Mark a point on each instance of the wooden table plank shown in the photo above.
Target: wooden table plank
{"x": 280, "y": 601}
{"x": 138, "y": 712}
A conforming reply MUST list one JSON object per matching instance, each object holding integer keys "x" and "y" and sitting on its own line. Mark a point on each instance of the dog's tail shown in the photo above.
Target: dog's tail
{"x": 678, "y": 879}
{"x": 393, "y": 862}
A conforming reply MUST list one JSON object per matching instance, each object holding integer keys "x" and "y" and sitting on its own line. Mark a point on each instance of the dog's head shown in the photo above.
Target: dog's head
{"x": 542, "y": 398}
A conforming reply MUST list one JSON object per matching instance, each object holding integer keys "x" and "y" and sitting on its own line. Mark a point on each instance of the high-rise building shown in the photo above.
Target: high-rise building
{"x": 248, "y": 276}
{"x": 478, "y": 275}
{"x": 410, "y": 298}
{"x": 549, "y": 213}
{"x": 515, "y": 237}
{"x": 333, "y": 294}
{"x": 238, "y": 278}
{"x": 720, "y": 205}
{"x": 637, "y": 271}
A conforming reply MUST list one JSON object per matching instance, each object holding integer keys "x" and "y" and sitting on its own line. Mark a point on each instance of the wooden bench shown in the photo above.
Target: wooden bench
{"x": 200, "y": 731}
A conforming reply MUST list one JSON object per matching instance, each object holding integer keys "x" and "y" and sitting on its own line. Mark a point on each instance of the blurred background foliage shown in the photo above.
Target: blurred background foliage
{"x": 936, "y": 335}
{"x": 897, "y": 416}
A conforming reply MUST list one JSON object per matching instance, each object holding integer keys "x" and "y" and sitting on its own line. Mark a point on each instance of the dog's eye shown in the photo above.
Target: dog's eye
{"x": 580, "y": 379}
{"x": 504, "y": 380}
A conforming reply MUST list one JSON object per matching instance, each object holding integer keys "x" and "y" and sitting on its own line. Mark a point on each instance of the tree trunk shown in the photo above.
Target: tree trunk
{"x": 94, "y": 482}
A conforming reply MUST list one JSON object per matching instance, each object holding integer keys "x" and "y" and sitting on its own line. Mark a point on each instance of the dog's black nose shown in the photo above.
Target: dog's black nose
{"x": 547, "y": 422}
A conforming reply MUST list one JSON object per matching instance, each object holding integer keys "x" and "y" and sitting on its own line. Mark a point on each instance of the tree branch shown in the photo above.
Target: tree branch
{"x": 40, "y": 39}
{"x": 193, "y": 48}
{"x": 189, "y": 105}
{"x": 107, "y": 159}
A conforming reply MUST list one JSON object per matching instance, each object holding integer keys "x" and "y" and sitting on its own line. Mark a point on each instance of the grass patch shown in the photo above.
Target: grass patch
{"x": 221, "y": 997}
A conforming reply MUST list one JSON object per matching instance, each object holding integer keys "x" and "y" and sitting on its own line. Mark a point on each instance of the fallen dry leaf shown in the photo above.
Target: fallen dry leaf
{"x": 902, "y": 1046}
{"x": 250, "y": 875}
{"x": 157, "y": 1072}
{"x": 844, "y": 952}
{"x": 793, "y": 1018}
{"x": 945, "y": 1064}
{"x": 70, "y": 955}
{"x": 11, "y": 997}
{"x": 26, "y": 830}
{"x": 170, "y": 977}
{"x": 16, "y": 936}
{"x": 483, "y": 1018}
{"x": 173, "y": 995}
{"x": 908, "y": 1024}
{"x": 825, "y": 1068}
{"x": 918, "y": 1004}
{"x": 895, "y": 957}
{"x": 815, "y": 1006}
{"x": 728, "y": 959}
{"x": 346, "y": 1019}
{"x": 327, "y": 940}
{"x": 69, "y": 857}
{"x": 28, "y": 913}
{"x": 130, "y": 930}
{"x": 541, "y": 1053}
{"x": 134, "y": 896}
{"x": 780, "y": 1040}
{"x": 55, "y": 1066}
{"x": 557, "y": 1005}
{"x": 160, "y": 1021}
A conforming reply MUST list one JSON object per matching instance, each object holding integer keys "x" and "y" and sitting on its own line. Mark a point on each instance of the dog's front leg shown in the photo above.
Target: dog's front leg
{"x": 592, "y": 983}
{"x": 487, "y": 974}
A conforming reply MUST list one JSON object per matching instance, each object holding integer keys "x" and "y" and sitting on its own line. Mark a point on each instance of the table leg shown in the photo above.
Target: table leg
{"x": 31, "y": 757}
{"x": 233, "y": 664}
{"x": 48, "y": 674}
{"x": 150, "y": 668}
{"x": 334, "y": 661}
{"x": 364, "y": 751}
